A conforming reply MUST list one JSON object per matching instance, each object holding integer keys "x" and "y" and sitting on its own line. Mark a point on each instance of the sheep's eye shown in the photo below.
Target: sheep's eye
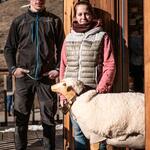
{"x": 64, "y": 84}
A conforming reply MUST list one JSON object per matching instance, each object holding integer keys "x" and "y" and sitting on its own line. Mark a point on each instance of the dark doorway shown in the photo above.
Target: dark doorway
{"x": 136, "y": 47}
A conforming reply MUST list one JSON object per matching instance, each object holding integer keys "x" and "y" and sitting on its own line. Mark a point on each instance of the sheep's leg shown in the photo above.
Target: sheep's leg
{"x": 94, "y": 146}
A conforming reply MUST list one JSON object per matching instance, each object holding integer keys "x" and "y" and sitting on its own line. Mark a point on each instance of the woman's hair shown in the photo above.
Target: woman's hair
{"x": 84, "y": 2}
{"x": 90, "y": 9}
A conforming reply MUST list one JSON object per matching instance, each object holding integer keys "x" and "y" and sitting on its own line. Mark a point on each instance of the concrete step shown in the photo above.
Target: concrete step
{"x": 34, "y": 138}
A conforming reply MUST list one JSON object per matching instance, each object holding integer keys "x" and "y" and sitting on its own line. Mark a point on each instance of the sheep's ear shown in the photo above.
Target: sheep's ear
{"x": 79, "y": 87}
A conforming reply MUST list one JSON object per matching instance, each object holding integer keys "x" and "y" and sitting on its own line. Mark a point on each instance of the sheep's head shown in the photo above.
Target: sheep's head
{"x": 68, "y": 87}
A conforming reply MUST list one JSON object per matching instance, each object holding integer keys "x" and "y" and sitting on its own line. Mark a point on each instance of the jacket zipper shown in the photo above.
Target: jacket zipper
{"x": 37, "y": 47}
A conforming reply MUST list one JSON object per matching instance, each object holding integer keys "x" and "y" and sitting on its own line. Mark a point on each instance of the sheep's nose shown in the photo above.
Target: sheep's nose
{"x": 54, "y": 88}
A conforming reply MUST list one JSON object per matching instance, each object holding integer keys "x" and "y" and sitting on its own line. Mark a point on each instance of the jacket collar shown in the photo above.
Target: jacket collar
{"x": 34, "y": 14}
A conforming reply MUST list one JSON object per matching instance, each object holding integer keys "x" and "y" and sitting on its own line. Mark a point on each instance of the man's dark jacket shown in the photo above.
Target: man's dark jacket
{"x": 34, "y": 43}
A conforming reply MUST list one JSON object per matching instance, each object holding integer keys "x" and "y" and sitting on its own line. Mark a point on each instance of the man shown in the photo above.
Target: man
{"x": 32, "y": 53}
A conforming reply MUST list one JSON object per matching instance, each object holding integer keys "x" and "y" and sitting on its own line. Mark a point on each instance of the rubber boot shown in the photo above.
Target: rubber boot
{"x": 48, "y": 137}
{"x": 21, "y": 137}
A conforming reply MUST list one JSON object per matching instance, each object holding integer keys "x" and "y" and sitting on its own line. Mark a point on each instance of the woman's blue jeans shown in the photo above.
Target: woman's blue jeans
{"x": 80, "y": 141}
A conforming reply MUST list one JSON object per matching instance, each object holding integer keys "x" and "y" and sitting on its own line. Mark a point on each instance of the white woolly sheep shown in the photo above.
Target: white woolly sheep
{"x": 117, "y": 118}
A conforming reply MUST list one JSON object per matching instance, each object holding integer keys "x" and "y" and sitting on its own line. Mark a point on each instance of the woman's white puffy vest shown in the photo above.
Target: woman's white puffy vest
{"x": 84, "y": 54}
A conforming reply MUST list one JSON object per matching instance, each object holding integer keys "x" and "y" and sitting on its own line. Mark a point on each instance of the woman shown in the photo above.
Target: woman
{"x": 87, "y": 55}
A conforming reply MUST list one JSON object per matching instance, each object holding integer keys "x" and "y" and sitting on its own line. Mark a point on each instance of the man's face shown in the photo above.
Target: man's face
{"x": 37, "y": 5}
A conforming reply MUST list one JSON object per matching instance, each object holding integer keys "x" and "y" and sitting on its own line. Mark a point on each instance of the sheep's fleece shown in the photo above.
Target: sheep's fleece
{"x": 117, "y": 118}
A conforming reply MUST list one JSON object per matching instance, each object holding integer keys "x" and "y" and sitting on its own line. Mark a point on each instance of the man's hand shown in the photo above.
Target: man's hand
{"x": 20, "y": 72}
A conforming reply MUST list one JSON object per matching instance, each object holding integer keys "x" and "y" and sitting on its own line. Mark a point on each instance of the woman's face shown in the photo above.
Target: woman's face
{"x": 83, "y": 15}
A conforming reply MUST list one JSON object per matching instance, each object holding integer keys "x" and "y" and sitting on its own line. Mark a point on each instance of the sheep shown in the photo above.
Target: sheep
{"x": 118, "y": 118}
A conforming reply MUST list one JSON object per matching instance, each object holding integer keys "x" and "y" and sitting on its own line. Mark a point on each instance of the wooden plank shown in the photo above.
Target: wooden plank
{"x": 147, "y": 68}
{"x": 68, "y": 14}
{"x": 123, "y": 47}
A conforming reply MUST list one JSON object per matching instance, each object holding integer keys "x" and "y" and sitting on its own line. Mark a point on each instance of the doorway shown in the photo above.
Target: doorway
{"x": 135, "y": 45}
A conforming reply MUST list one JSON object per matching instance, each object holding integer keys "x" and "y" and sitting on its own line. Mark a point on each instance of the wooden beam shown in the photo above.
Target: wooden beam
{"x": 68, "y": 14}
{"x": 147, "y": 68}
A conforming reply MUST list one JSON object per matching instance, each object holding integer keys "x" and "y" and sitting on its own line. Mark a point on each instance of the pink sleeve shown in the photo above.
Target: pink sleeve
{"x": 108, "y": 67}
{"x": 62, "y": 62}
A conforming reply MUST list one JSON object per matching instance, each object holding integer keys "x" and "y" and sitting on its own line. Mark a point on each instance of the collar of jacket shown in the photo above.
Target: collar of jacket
{"x": 34, "y": 14}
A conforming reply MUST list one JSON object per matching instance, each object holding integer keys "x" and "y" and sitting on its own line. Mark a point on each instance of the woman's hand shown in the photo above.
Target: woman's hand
{"x": 53, "y": 74}
{"x": 63, "y": 100}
